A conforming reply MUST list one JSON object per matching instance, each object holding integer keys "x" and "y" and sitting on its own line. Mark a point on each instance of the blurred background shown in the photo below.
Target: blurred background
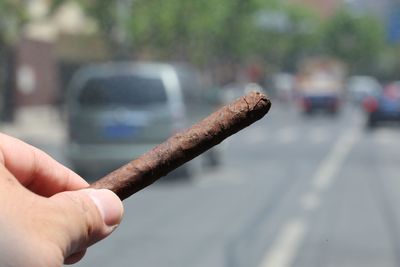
{"x": 96, "y": 83}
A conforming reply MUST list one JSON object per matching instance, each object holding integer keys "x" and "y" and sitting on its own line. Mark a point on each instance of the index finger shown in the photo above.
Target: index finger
{"x": 35, "y": 169}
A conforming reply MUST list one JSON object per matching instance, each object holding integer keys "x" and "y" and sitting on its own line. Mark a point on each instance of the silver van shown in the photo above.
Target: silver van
{"x": 118, "y": 111}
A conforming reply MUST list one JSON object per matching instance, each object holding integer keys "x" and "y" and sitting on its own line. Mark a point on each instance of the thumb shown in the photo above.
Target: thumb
{"x": 89, "y": 215}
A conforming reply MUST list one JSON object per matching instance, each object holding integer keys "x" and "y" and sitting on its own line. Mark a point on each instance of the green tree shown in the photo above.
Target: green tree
{"x": 356, "y": 39}
{"x": 194, "y": 30}
{"x": 281, "y": 43}
{"x": 205, "y": 32}
{"x": 12, "y": 17}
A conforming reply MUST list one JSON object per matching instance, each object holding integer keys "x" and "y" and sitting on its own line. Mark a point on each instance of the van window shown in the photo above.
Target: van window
{"x": 123, "y": 90}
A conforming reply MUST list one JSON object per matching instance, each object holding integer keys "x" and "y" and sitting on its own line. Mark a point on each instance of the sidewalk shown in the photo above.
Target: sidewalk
{"x": 41, "y": 124}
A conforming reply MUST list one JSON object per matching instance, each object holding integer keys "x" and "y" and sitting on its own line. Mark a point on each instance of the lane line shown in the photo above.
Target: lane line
{"x": 310, "y": 201}
{"x": 288, "y": 243}
{"x": 333, "y": 162}
{"x": 286, "y": 246}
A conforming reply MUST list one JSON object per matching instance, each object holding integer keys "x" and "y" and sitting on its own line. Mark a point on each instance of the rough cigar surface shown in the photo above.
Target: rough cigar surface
{"x": 186, "y": 145}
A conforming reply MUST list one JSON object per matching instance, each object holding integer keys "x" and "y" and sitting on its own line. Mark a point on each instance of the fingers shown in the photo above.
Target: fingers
{"x": 58, "y": 228}
{"x": 35, "y": 169}
{"x": 64, "y": 224}
{"x": 89, "y": 216}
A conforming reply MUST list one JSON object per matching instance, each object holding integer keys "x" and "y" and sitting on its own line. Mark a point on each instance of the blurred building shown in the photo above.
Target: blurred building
{"x": 51, "y": 47}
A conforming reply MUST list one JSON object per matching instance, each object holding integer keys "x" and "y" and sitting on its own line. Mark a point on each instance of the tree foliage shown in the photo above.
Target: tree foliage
{"x": 12, "y": 16}
{"x": 356, "y": 39}
{"x": 196, "y": 30}
{"x": 209, "y": 31}
{"x": 296, "y": 38}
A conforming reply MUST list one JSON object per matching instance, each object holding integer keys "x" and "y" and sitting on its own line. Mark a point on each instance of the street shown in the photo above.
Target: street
{"x": 94, "y": 84}
{"x": 293, "y": 190}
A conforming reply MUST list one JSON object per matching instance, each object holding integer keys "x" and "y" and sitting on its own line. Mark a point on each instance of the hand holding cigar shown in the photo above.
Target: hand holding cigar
{"x": 186, "y": 145}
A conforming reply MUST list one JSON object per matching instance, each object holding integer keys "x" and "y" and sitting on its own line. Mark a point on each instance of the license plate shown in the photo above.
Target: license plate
{"x": 119, "y": 131}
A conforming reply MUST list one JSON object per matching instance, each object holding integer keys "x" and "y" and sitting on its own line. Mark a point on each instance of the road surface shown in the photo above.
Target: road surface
{"x": 292, "y": 191}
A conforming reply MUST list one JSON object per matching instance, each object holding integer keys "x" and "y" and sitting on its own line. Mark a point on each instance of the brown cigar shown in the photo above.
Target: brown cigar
{"x": 185, "y": 145}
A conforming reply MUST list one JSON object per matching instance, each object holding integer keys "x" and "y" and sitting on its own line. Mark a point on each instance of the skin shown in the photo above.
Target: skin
{"x": 48, "y": 217}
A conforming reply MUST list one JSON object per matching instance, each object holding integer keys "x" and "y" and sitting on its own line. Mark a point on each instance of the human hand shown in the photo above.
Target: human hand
{"x": 47, "y": 216}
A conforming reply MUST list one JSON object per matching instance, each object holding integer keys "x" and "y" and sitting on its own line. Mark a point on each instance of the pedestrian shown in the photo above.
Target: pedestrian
{"x": 48, "y": 217}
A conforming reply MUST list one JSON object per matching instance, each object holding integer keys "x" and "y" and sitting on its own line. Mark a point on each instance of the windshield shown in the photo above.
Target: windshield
{"x": 126, "y": 90}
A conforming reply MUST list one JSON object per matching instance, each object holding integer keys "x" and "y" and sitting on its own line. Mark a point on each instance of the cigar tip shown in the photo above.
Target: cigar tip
{"x": 258, "y": 101}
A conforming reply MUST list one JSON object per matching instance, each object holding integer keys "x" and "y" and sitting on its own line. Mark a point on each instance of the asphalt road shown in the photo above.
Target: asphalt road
{"x": 292, "y": 191}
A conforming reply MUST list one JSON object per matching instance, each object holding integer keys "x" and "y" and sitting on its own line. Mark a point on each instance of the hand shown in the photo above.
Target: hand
{"x": 47, "y": 218}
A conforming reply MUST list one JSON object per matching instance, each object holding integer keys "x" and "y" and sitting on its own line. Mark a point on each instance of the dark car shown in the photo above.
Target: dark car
{"x": 328, "y": 102}
{"x": 320, "y": 92}
{"x": 385, "y": 107}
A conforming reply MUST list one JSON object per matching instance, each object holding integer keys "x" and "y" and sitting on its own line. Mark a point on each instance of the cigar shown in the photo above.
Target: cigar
{"x": 186, "y": 145}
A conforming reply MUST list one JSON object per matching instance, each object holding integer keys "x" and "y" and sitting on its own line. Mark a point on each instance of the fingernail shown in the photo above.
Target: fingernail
{"x": 109, "y": 205}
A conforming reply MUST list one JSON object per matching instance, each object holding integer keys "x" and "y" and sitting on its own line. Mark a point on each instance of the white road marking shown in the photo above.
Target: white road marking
{"x": 310, "y": 201}
{"x": 333, "y": 162}
{"x": 286, "y": 246}
{"x": 287, "y": 243}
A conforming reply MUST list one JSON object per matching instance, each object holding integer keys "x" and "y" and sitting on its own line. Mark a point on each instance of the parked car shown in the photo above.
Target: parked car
{"x": 360, "y": 87}
{"x": 118, "y": 111}
{"x": 385, "y": 107}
